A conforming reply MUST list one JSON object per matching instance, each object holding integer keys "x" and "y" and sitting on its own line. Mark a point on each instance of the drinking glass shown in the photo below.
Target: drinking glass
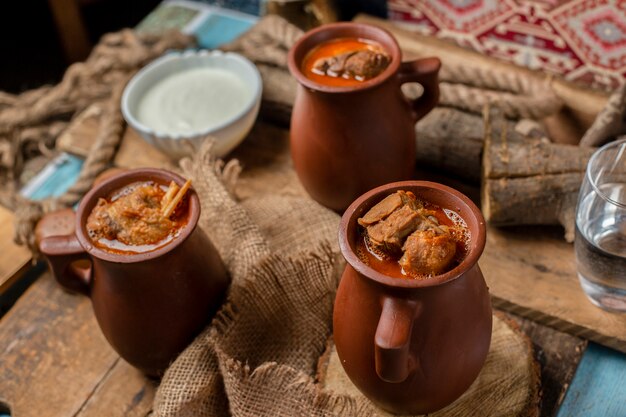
{"x": 601, "y": 228}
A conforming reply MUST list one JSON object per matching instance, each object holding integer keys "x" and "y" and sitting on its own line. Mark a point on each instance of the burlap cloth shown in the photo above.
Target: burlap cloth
{"x": 259, "y": 354}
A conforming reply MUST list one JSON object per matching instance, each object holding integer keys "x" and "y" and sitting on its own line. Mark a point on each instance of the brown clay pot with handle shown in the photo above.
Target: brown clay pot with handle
{"x": 412, "y": 346}
{"x": 347, "y": 140}
{"x": 149, "y": 305}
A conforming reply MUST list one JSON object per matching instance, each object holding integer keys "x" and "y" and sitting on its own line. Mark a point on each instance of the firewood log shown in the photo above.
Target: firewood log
{"x": 451, "y": 140}
{"x": 529, "y": 181}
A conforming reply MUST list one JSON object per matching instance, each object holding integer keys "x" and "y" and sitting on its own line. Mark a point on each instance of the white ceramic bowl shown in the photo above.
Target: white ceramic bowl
{"x": 228, "y": 134}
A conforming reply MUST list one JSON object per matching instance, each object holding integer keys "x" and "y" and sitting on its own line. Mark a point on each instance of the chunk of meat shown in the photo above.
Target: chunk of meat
{"x": 367, "y": 64}
{"x": 362, "y": 64}
{"x": 387, "y": 235}
{"x": 381, "y": 210}
{"x": 409, "y": 199}
{"x": 388, "y": 205}
{"x": 134, "y": 218}
{"x": 332, "y": 65}
{"x": 427, "y": 252}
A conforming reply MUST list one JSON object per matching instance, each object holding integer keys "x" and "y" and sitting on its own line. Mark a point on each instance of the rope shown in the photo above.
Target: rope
{"x": 517, "y": 95}
{"x": 513, "y": 106}
{"x": 31, "y": 122}
{"x": 101, "y": 154}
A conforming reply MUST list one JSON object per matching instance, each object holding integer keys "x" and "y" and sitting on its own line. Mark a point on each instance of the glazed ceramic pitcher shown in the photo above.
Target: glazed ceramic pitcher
{"x": 412, "y": 346}
{"x": 149, "y": 305}
{"x": 347, "y": 140}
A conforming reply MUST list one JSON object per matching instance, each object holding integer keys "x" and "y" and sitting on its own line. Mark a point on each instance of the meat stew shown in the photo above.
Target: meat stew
{"x": 140, "y": 217}
{"x": 345, "y": 62}
{"x": 405, "y": 237}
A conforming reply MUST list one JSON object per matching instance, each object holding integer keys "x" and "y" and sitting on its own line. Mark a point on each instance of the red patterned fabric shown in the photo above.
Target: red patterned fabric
{"x": 582, "y": 40}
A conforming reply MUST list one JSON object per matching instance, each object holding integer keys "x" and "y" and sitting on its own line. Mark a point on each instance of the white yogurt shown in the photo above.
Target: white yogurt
{"x": 194, "y": 100}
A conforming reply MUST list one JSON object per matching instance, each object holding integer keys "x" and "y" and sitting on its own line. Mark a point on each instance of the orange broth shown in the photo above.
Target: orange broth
{"x": 332, "y": 48}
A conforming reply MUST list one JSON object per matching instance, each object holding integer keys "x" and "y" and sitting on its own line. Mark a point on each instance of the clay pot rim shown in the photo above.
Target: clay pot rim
{"x": 118, "y": 181}
{"x": 477, "y": 243}
{"x": 382, "y": 36}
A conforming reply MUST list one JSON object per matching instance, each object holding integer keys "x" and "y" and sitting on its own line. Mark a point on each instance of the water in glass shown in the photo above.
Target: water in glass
{"x": 601, "y": 228}
{"x": 601, "y": 252}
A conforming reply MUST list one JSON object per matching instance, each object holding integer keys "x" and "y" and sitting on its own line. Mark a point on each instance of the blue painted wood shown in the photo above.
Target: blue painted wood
{"x": 56, "y": 178}
{"x": 599, "y": 385}
{"x": 221, "y": 27}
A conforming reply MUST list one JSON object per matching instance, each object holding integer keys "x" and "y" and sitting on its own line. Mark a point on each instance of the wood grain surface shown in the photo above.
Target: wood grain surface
{"x": 53, "y": 334}
{"x": 54, "y": 360}
{"x": 14, "y": 259}
{"x": 531, "y": 272}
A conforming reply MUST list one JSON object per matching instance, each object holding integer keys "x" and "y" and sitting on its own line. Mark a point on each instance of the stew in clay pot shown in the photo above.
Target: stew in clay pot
{"x": 412, "y": 315}
{"x": 139, "y": 217}
{"x": 345, "y": 62}
{"x": 406, "y": 237}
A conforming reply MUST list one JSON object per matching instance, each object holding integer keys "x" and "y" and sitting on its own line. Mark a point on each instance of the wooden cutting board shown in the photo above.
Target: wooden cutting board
{"x": 507, "y": 386}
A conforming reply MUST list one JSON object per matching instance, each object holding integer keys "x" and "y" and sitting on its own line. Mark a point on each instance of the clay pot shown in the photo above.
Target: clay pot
{"x": 412, "y": 346}
{"x": 149, "y": 305}
{"x": 347, "y": 140}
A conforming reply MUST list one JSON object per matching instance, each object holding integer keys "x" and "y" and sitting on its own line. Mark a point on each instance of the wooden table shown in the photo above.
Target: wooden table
{"x": 55, "y": 361}
{"x": 53, "y": 355}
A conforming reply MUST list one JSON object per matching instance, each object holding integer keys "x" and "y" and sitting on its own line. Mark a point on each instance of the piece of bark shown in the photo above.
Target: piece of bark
{"x": 529, "y": 181}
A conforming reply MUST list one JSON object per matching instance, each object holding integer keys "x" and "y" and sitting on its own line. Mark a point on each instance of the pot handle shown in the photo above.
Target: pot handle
{"x": 62, "y": 252}
{"x": 392, "y": 341}
{"x": 424, "y": 71}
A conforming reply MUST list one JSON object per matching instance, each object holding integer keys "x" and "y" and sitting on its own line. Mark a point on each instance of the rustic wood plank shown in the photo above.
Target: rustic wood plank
{"x": 531, "y": 272}
{"x": 587, "y": 395}
{"x": 53, "y": 355}
{"x": 14, "y": 259}
{"x": 267, "y": 165}
{"x": 81, "y": 133}
{"x": 135, "y": 152}
{"x": 558, "y": 355}
{"x": 123, "y": 392}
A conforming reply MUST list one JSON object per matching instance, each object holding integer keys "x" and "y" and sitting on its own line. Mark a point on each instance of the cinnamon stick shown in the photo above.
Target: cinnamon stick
{"x": 169, "y": 209}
